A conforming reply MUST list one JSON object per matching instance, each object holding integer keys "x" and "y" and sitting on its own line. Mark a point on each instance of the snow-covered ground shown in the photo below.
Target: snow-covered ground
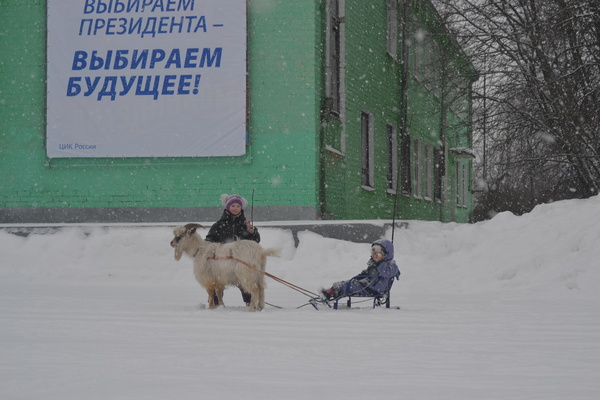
{"x": 504, "y": 309}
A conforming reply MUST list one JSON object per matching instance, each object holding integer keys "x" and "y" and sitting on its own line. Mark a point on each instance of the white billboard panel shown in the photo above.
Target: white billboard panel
{"x": 146, "y": 78}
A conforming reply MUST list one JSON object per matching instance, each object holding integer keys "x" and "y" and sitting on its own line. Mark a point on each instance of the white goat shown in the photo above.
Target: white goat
{"x": 217, "y": 265}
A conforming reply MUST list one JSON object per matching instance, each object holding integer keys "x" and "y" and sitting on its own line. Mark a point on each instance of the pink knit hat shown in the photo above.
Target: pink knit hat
{"x": 229, "y": 199}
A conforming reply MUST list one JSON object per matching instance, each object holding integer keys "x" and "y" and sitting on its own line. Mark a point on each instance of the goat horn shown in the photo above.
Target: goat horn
{"x": 191, "y": 228}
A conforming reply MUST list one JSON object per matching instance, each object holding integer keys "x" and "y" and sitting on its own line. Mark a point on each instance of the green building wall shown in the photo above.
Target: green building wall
{"x": 287, "y": 168}
{"x": 279, "y": 168}
{"x": 373, "y": 83}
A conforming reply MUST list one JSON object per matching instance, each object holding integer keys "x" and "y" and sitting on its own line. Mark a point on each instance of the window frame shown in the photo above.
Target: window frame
{"x": 428, "y": 169}
{"x": 405, "y": 158}
{"x": 333, "y": 58}
{"x": 439, "y": 168}
{"x": 367, "y": 132}
{"x": 334, "y": 108}
{"x": 417, "y": 168}
{"x": 392, "y": 29}
{"x": 462, "y": 185}
{"x": 392, "y": 159}
{"x": 417, "y": 46}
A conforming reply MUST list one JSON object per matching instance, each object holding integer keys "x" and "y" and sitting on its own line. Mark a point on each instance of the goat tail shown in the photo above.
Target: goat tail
{"x": 271, "y": 253}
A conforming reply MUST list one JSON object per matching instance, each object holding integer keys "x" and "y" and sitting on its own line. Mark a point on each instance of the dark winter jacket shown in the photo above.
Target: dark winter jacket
{"x": 231, "y": 228}
{"x": 375, "y": 278}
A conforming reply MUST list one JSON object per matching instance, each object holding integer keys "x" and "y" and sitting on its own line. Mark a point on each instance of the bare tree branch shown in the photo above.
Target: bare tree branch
{"x": 540, "y": 60}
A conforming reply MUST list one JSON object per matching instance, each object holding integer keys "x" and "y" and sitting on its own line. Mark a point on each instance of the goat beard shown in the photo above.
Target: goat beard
{"x": 178, "y": 253}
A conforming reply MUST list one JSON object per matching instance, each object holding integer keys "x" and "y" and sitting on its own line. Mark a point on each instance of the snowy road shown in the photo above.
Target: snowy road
{"x": 143, "y": 342}
{"x": 504, "y": 309}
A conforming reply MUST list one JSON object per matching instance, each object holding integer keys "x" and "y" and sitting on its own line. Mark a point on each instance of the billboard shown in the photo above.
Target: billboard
{"x": 146, "y": 78}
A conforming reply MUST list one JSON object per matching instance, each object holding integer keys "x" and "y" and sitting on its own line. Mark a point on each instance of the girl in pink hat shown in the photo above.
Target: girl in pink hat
{"x": 233, "y": 226}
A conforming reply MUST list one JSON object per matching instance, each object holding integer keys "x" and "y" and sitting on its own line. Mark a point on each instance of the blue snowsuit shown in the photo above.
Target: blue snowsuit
{"x": 374, "y": 279}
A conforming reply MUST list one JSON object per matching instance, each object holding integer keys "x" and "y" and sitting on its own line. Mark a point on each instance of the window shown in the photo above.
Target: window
{"x": 428, "y": 166}
{"x": 458, "y": 94}
{"x": 392, "y": 174}
{"x": 431, "y": 71}
{"x": 417, "y": 168}
{"x": 463, "y": 103}
{"x": 392, "y": 28}
{"x": 368, "y": 151}
{"x": 462, "y": 185}
{"x": 333, "y": 58}
{"x": 417, "y": 44}
{"x": 334, "y": 105}
{"x": 405, "y": 162}
{"x": 436, "y": 64}
{"x": 438, "y": 172}
{"x": 427, "y": 58}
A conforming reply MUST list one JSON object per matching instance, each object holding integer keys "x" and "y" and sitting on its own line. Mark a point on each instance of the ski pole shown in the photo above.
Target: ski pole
{"x": 252, "y": 209}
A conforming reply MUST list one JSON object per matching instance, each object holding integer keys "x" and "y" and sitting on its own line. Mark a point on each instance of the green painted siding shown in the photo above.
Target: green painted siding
{"x": 302, "y": 162}
{"x": 423, "y": 123}
{"x": 372, "y": 85}
{"x": 22, "y": 100}
{"x": 282, "y": 160}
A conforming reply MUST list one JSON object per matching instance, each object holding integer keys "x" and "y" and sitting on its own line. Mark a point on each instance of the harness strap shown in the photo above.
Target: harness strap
{"x": 305, "y": 292}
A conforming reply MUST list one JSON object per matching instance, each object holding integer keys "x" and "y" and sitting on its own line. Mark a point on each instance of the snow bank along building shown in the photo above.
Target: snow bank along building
{"x": 149, "y": 110}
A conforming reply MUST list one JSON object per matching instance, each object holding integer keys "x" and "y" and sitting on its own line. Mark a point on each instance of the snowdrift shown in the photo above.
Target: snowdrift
{"x": 553, "y": 248}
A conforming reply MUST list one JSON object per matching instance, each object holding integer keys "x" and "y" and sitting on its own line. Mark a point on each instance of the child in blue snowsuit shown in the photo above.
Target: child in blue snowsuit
{"x": 372, "y": 280}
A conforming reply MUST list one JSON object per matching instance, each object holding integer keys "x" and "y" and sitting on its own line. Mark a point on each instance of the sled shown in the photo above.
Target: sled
{"x": 379, "y": 299}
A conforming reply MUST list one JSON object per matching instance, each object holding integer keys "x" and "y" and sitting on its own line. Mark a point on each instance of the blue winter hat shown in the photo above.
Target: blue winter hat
{"x": 387, "y": 246}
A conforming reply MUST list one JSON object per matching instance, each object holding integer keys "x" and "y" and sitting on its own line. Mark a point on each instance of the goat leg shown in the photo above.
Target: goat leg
{"x": 219, "y": 294}
{"x": 211, "y": 298}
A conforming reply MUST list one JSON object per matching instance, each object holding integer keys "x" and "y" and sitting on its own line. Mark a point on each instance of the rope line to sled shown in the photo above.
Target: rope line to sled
{"x": 299, "y": 289}
{"x": 313, "y": 296}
